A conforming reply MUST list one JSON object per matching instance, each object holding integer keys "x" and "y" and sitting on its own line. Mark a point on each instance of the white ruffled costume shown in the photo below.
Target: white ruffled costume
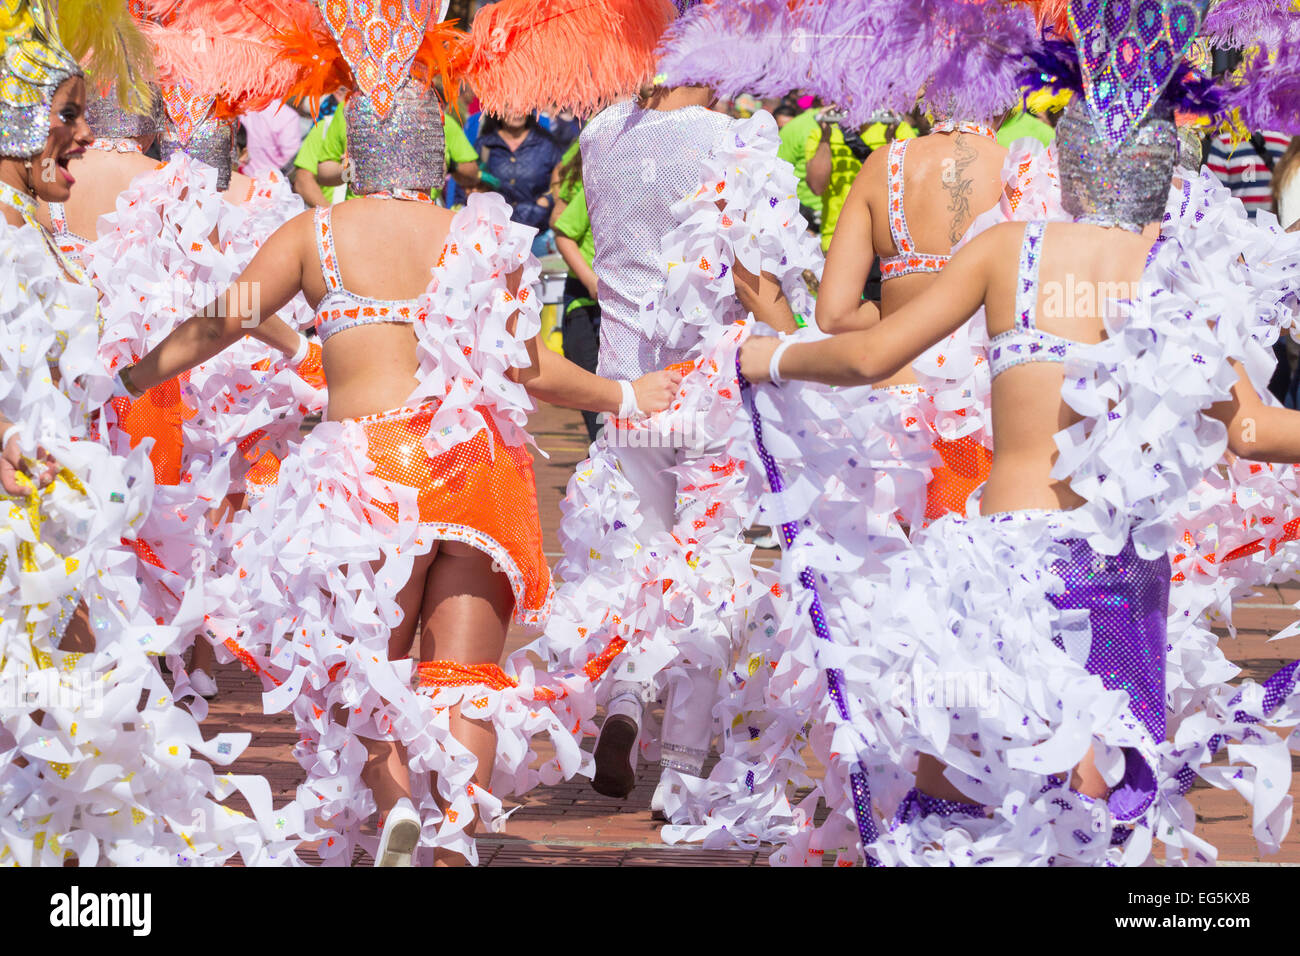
{"x": 672, "y": 605}
{"x": 155, "y": 266}
{"x": 111, "y": 771}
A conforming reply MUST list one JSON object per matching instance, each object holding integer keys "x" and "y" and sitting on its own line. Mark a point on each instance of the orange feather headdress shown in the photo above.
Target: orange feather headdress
{"x": 580, "y": 55}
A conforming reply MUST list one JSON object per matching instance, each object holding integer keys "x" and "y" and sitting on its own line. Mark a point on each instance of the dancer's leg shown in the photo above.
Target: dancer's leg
{"x": 385, "y": 772}
{"x": 645, "y": 470}
{"x": 467, "y": 608}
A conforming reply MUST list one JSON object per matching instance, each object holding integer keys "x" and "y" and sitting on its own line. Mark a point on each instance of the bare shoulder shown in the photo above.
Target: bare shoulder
{"x": 995, "y": 243}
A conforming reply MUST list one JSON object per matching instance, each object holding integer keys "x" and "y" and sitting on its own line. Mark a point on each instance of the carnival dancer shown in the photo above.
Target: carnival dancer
{"x": 653, "y": 552}
{"x": 1062, "y": 756}
{"x": 100, "y": 764}
{"x": 168, "y": 237}
{"x": 412, "y": 509}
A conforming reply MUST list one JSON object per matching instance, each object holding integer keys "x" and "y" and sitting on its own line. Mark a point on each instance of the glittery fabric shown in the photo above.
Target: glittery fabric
{"x": 636, "y": 164}
{"x": 964, "y": 463}
{"x": 1122, "y": 186}
{"x": 211, "y": 142}
{"x": 1025, "y": 343}
{"x": 32, "y": 67}
{"x": 340, "y": 309}
{"x": 401, "y": 150}
{"x": 917, "y": 804}
{"x": 108, "y": 119}
{"x": 482, "y": 493}
{"x": 158, "y": 414}
{"x": 1127, "y": 600}
{"x": 69, "y": 243}
{"x": 1128, "y": 52}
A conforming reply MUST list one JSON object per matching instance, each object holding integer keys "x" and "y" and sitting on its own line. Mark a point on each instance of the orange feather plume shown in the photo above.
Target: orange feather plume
{"x": 579, "y": 55}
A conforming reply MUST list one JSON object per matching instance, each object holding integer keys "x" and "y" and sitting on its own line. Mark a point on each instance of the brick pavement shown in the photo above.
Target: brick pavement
{"x": 570, "y": 824}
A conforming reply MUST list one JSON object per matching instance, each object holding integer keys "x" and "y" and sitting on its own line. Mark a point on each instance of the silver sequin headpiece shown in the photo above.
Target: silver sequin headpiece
{"x": 109, "y": 119}
{"x": 212, "y": 142}
{"x": 1105, "y": 185}
{"x": 404, "y": 150}
{"x": 33, "y": 65}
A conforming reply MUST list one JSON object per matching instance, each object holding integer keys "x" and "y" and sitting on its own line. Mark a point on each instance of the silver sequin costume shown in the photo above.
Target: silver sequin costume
{"x": 636, "y": 164}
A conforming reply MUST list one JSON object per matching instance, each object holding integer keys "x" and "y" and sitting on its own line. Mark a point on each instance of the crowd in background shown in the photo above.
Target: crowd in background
{"x": 534, "y": 163}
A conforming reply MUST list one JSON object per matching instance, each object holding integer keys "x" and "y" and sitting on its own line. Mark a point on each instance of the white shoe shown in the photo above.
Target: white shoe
{"x": 400, "y": 837}
{"x": 204, "y": 685}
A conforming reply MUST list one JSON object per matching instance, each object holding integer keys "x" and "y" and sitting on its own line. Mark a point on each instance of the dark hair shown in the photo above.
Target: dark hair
{"x": 241, "y": 137}
{"x": 491, "y": 124}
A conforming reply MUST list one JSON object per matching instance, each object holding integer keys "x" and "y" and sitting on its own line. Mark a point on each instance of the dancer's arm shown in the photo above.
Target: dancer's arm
{"x": 13, "y": 461}
{"x": 553, "y": 378}
{"x": 1257, "y": 431}
{"x": 840, "y": 307}
{"x": 762, "y": 296}
{"x": 872, "y": 355}
{"x": 266, "y": 286}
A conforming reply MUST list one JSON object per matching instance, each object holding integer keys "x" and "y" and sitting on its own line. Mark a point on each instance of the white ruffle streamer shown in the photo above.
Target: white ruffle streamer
{"x": 96, "y": 758}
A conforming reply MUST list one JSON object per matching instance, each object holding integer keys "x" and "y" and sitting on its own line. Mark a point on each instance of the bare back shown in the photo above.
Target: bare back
{"x": 1081, "y": 268}
{"x": 386, "y": 249}
{"x": 948, "y": 180}
{"x": 101, "y": 177}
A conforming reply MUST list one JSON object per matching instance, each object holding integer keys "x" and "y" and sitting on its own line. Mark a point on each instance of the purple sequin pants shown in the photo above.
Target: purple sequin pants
{"x": 1127, "y": 600}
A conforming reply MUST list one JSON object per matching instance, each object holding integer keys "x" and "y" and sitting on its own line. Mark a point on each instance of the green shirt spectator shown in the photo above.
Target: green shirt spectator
{"x": 574, "y": 223}
{"x": 312, "y": 152}
{"x": 877, "y": 134}
{"x": 794, "y": 140}
{"x": 844, "y": 169}
{"x": 1024, "y": 125}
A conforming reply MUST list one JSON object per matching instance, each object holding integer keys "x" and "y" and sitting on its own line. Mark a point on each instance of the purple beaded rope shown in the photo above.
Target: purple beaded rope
{"x": 834, "y": 678}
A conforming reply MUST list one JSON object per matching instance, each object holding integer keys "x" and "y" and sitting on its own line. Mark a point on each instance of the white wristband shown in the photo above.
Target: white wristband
{"x": 629, "y": 408}
{"x": 774, "y": 366}
{"x": 8, "y": 433}
{"x": 304, "y": 347}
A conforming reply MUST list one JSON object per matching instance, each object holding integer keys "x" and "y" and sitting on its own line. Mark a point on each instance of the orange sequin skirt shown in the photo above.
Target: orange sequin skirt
{"x": 481, "y": 492}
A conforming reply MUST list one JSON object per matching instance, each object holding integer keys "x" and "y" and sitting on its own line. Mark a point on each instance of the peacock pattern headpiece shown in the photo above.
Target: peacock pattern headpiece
{"x": 34, "y": 65}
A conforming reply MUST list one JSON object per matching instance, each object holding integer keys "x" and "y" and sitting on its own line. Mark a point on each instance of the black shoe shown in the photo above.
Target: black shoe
{"x": 614, "y": 774}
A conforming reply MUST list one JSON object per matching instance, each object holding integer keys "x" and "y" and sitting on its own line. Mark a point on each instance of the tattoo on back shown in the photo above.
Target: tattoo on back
{"x": 959, "y": 186}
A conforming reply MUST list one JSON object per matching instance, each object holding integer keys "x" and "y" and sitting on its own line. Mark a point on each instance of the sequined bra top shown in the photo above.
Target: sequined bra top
{"x": 1025, "y": 342}
{"x": 909, "y": 261}
{"x": 340, "y": 309}
{"x": 69, "y": 243}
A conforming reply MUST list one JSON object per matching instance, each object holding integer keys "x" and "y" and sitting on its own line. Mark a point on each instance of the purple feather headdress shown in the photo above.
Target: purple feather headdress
{"x": 1054, "y": 65}
{"x": 1237, "y": 24}
{"x": 956, "y": 57}
{"x": 1268, "y": 90}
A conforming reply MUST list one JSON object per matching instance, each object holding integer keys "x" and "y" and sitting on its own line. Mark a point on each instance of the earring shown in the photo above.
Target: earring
{"x": 31, "y": 181}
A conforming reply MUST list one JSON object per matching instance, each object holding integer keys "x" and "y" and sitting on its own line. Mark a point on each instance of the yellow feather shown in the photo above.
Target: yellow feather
{"x": 107, "y": 41}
